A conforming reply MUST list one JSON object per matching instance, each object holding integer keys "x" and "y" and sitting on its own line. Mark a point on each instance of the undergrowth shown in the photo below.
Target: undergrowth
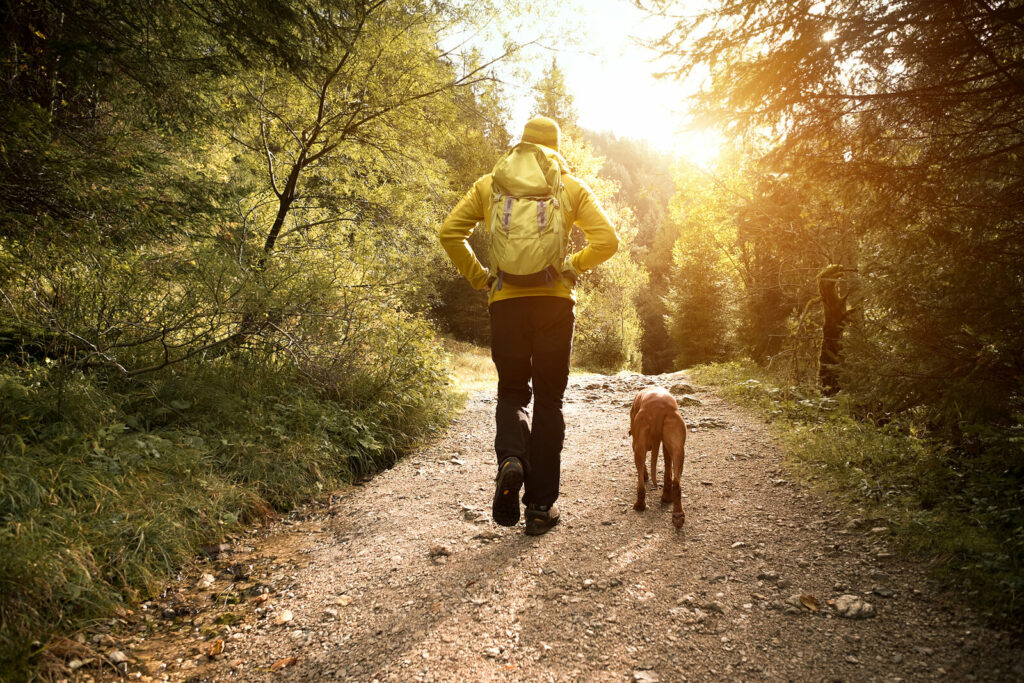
{"x": 106, "y": 489}
{"x": 472, "y": 367}
{"x": 959, "y": 507}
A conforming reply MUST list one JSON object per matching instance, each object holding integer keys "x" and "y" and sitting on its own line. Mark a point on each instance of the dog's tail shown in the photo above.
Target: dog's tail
{"x": 657, "y": 422}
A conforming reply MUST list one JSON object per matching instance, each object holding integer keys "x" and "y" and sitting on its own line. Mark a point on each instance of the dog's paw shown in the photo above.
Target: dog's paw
{"x": 678, "y": 518}
{"x": 640, "y": 506}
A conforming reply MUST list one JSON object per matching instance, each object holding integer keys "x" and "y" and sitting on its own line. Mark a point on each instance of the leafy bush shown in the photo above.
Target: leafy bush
{"x": 608, "y": 329}
{"x": 105, "y": 488}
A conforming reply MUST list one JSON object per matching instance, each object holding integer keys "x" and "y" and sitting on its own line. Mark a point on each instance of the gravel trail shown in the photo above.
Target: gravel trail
{"x": 406, "y": 578}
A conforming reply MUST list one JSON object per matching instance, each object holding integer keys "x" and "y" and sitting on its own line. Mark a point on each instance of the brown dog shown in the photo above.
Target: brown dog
{"x": 654, "y": 420}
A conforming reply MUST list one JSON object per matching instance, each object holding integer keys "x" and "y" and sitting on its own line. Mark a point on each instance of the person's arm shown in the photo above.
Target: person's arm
{"x": 602, "y": 242}
{"x": 455, "y": 232}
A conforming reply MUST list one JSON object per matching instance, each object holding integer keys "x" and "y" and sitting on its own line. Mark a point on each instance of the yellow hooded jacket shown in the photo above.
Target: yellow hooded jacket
{"x": 582, "y": 210}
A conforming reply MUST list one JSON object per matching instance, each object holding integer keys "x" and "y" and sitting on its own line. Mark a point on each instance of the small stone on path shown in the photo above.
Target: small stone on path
{"x": 854, "y": 607}
{"x": 713, "y": 606}
{"x": 487, "y": 535}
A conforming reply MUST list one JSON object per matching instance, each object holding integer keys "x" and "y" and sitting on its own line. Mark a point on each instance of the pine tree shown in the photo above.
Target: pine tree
{"x": 554, "y": 99}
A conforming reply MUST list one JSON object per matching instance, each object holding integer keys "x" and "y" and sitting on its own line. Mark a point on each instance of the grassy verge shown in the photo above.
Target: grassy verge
{"x": 473, "y": 370}
{"x": 472, "y": 367}
{"x": 959, "y": 510}
{"x": 105, "y": 490}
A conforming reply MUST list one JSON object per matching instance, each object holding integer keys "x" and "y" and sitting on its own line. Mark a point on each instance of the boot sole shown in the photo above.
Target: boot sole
{"x": 505, "y": 508}
{"x": 543, "y": 529}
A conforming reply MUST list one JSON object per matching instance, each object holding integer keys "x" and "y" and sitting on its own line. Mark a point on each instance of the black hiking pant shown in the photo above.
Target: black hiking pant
{"x": 531, "y": 340}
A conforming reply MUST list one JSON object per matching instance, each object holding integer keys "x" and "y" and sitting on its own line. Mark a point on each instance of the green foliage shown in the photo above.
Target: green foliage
{"x": 607, "y": 336}
{"x": 645, "y": 185}
{"x": 216, "y": 254}
{"x": 940, "y": 333}
{"x": 274, "y": 200}
{"x": 644, "y": 178}
{"x": 701, "y": 283}
{"x": 106, "y": 489}
{"x": 959, "y": 509}
{"x": 891, "y": 134}
{"x": 554, "y": 99}
{"x": 697, "y": 301}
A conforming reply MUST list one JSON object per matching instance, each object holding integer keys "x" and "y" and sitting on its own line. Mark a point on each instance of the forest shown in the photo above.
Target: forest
{"x": 222, "y": 294}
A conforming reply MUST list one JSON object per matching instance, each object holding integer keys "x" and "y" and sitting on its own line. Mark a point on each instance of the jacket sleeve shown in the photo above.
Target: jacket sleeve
{"x": 602, "y": 242}
{"x": 455, "y": 232}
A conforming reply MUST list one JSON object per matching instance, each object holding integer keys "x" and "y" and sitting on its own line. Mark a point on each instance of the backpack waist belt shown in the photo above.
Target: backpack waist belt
{"x": 546, "y": 277}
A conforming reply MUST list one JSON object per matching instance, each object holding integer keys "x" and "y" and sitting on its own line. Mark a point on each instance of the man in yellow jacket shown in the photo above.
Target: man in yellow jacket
{"x": 531, "y": 341}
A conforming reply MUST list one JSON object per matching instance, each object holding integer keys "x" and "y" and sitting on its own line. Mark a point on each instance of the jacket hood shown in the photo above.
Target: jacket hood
{"x": 527, "y": 170}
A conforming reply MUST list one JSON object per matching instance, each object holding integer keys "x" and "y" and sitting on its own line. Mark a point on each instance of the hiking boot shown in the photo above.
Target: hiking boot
{"x": 505, "y": 508}
{"x": 540, "y": 518}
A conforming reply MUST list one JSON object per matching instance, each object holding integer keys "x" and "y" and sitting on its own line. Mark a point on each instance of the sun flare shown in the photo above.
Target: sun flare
{"x": 699, "y": 147}
{"x": 612, "y": 79}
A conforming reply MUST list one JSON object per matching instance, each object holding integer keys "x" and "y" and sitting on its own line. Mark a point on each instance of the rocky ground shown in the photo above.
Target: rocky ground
{"x": 406, "y": 577}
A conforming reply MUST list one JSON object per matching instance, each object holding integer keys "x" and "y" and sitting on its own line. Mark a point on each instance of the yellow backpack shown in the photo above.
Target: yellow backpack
{"x": 529, "y": 237}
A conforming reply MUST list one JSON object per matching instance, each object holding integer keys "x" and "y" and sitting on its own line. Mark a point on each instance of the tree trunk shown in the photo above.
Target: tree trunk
{"x": 836, "y": 313}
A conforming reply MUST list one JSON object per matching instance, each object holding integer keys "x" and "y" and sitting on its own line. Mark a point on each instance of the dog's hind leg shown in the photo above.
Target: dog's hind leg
{"x": 678, "y": 515}
{"x": 678, "y": 461}
{"x": 666, "y": 492}
{"x": 639, "y": 455}
{"x": 654, "y": 463}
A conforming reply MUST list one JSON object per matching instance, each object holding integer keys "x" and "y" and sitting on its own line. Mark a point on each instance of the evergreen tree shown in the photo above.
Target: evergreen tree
{"x": 699, "y": 316}
{"x": 554, "y": 99}
{"x": 645, "y": 185}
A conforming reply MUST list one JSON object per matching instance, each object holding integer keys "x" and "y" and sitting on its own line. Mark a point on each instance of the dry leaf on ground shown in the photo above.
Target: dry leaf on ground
{"x": 810, "y": 602}
{"x": 282, "y": 663}
{"x": 215, "y": 648}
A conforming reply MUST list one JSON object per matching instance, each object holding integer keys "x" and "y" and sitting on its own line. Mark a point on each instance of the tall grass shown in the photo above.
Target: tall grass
{"x": 105, "y": 489}
{"x": 472, "y": 367}
{"x": 960, "y": 507}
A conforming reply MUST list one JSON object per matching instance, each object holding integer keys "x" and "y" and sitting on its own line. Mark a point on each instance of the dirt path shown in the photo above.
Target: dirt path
{"x": 406, "y": 578}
